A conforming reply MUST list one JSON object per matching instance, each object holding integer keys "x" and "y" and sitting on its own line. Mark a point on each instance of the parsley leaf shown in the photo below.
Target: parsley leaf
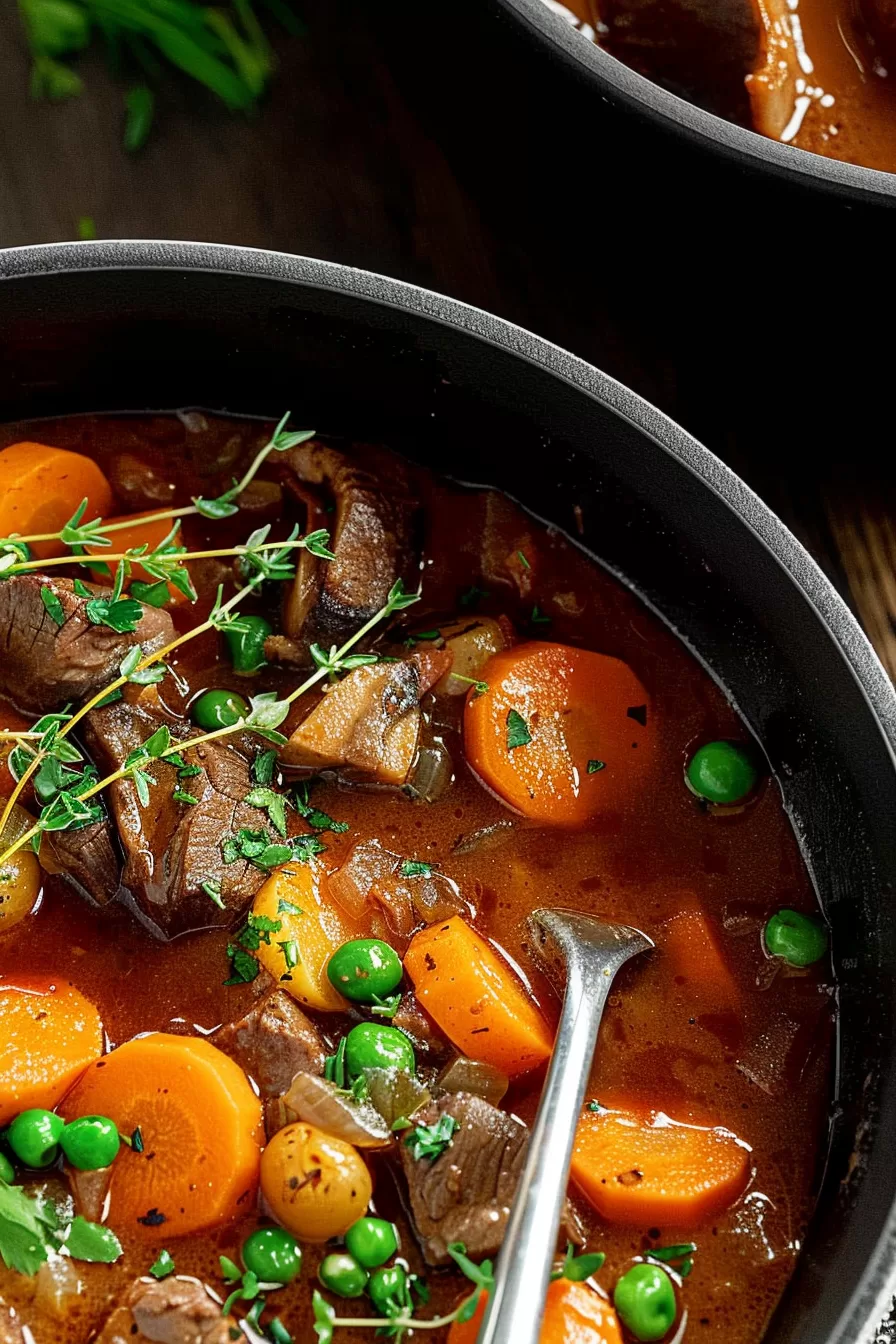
{"x": 23, "y": 1235}
{"x": 518, "y": 734}
{"x": 290, "y": 950}
{"x": 212, "y": 888}
{"x": 163, "y": 1266}
{"x": 52, "y": 604}
{"x": 287, "y": 908}
{"x": 263, "y": 767}
{"x": 415, "y": 868}
{"x": 334, "y": 1066}
{"x": 385, "y": 1007}
{"x": 594, "y": 766}
{"x": 538, "y": 617}
{"x": 243, "y": 966}
{"x": 578, "y": 1268}
{"x": 324, "y": 1316}
{"x": 93, "y": 1242}
{"x": 432, "y": 1140}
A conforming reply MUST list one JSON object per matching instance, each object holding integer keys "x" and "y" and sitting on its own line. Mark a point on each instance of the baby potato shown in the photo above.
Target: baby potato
{"x": 20, "y": 875}
{"x": 311, "y": 927}
{"x": 314, "y": 1185}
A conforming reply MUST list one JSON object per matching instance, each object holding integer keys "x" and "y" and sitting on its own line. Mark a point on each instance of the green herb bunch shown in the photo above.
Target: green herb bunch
{"x": 223, "y": 48}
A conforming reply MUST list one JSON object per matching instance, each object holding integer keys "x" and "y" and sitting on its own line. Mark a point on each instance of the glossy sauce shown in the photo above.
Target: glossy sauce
{"x": 661, "y": 1041}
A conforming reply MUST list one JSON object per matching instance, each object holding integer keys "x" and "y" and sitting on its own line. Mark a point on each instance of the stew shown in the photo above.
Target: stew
{"x": 810, "y": 73}
{"x": 296, "y": 735}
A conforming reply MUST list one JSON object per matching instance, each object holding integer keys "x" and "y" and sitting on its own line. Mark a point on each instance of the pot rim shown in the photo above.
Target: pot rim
{"x": 873, "y": 1293}
{"x": 744, "y": 147}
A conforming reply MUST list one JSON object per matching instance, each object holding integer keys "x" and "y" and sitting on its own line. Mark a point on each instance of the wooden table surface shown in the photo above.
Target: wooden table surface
{"x": 417, "y": 144}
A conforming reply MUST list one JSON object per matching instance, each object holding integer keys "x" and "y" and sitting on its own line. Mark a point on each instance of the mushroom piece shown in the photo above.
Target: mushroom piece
{"x": 371, "y": 536}
{"x": 370, "y": 721}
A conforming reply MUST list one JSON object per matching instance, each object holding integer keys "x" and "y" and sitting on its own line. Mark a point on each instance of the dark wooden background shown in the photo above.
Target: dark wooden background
{"x": 434, "y": 147}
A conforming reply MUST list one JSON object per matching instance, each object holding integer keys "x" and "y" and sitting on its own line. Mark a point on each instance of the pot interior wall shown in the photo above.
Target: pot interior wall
{"x": 135, "y": 339}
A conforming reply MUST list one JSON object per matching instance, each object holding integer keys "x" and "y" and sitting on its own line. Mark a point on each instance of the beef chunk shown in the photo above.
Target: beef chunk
{"x": 89, "y": 859}
{"x": 175, "y": 1311}
{"x": 414, "y": 1022}
{"x": 45, "y": 666}
{"x": 371, "y": 536}
{"x": 273, "y": 1042}
{"x": 369, "y": 722}
{"x": 172, "y": 848}
{"x": 466, "y": 1193}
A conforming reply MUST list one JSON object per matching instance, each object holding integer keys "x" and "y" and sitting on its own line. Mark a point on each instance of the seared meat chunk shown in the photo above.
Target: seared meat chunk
{"x": 466, "y": 1193}
{"x": 45, "y": 666}
{"x": 370, "y": 721}
{"x": 175, "y": 1311}
{"x": 371, "y": 888}
{"x": 273, "y": 1042}
{"x": 371, "y": 536}
{"x": 89, "y": 859}
{"x": 171, "y": 848}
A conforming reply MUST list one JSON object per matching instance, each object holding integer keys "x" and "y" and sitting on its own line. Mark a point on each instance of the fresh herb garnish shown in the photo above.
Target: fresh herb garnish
{"x": 163, "y": 1266}
{"x": 416, "y": 868}
{"x": 480, "y": 686}
{"x": 52, "y": 604}
{"x": 181, "y": 796}
{"x": 385, "y": 1007}
{"x": 268, "y": 800}
{"x": 421, "y": 636}
{"x": 263, "y": 767}
{"x": 595, "y": 766}
{"x": 596, "y": 1107}
{"x": 538, "y": 617}
{"x": 137, "y": 1140}
{"x": 431, "y": 1140}
{"x": 334, "y": 1066}
{"x": 666, "y": 1254}
{"x": 578, "y": 1268}
{"x": 318, "y": 820}
{"x": 287, "y": 908}
{"x": 30, "y": 1231}
{"x": 290, "y": 950}
{"x": 521, "y": 556}
{"x": 518, "y": 734}
{"x": 212, "y": 888}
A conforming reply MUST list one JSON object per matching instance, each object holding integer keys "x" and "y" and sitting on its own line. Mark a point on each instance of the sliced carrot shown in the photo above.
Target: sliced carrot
{"x": 295, "y": 897}
{"x": 641, "y": 1167}
{"x": 573, "y": 1314}
{"x": 145, "y": 530}
{"x": 41, "y": 487}
{"x": 201, "y": 1129}
{"x": 477, "y": 1000}
{"x": 689, "y": 946}
{"x": 49, "y": 1033}
{"x": 560, "y": 734}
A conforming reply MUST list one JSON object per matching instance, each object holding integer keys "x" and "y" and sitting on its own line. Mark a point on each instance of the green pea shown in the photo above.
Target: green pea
{"x": 372, "y": 1241}
{"x": 799, "y": 939}
{"x": 272, "y": 1255}
{"x": 364, "y": 969}
{"x": 722, "y": 772}
{"x": 388, "y": 1289}
{"x": 645, "y": 1300}
{"x": 90, "y": 1142}
{"x": 342, "y": 1275}
{"x": 246, "y": 645}
{"x": 7, "y": 1170}
{"x": 370, "y": 1045}
{"x": 34, "y": 1137}
{"x": 218, "y": 709}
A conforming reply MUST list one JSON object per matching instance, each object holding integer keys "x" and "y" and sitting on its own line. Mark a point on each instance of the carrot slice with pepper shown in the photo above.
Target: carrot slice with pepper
{"x": 476, "y": 998}
{"x": 573, "y": 1314}
{"x": 197, "y": 1160}
{"x": 146, "y": 529}
{"x": 560, "y": 734}
{"x": 641, "y": 1167}
{"x": 49, "y": 1033}
{"x": 41, "y": 487}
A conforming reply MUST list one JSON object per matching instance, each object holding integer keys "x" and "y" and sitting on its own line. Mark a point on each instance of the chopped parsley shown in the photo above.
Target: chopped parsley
{"x": 266, "y": 851}
{"x": 181, "y": 796}
{"x": 287, "y": 908}
{"x": 595, "y": 766}
{"x": 430, "y": 1141}
{"x": 596, "y": 1107}
{"x": 422, "y": 636}
{"x": 137, "y": 1140}
{"x": 518, "y": 734}
{"x": 416, "y": 868}
{"x": 52, "y": 604}
{"x": 521, "y": 556}
{"x": 268, "y": 800}
{"x": 538, "y": 617}
{"x": 578, "y": 1268}
{"x": 212, "y": 888}
{"x": 290, "y": 950}
{"x": 163, "y": 1266}
{"x": 386, "y": 1006}
{"x": 263, "y": 767}
{"x": 244, "y": 966}
{"x": 121, "y": 614}
{"x": 317, "y": 820}
{"x": 31, "y": 1230}
{"x": 334, "y": 1066}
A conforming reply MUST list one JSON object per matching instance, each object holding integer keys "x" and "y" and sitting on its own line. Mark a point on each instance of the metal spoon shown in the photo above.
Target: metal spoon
{"x": 593, "y": 953}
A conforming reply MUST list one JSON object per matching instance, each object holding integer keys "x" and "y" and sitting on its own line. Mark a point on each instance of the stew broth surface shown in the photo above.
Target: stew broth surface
{"x": 760, "y": 1068}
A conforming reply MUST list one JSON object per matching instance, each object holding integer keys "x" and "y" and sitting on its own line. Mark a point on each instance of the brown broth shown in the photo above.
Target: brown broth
{"x": 639, "y": 865}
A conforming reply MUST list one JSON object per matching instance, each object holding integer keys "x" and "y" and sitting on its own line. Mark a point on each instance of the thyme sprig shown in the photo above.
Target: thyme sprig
{"x": 97, "y": 532}
{"x": 265, "y": 716}
{"x": 219, "y": 618}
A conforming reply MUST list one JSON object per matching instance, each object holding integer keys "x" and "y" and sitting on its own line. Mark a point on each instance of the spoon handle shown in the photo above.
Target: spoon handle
{"x": 528, "y": 1251}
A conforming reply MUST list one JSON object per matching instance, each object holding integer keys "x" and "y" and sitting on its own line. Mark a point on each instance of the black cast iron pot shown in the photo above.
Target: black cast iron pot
{"x": 608, "y": 79}
{"x": 131, "y": 325}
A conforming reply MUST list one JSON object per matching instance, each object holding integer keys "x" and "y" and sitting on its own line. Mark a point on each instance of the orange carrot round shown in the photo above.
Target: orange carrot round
{"x": 41, "y": 487}
{"x": 146, "y": 529}
{"x": 560, "y": 734}
{"x": 476, "y": 998}
{"x": 49, "y": 1033}
{"x": 201, "y": 1130}
{"x": 641, "y": 1167}
{"x": 573, "y": 1314}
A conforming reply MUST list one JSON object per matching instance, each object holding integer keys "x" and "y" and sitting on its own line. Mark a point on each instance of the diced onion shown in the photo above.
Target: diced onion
{"x": 470, "y": 1075}
{"x": 395, "y": 1094}
{"x": 320, "y": 1103}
